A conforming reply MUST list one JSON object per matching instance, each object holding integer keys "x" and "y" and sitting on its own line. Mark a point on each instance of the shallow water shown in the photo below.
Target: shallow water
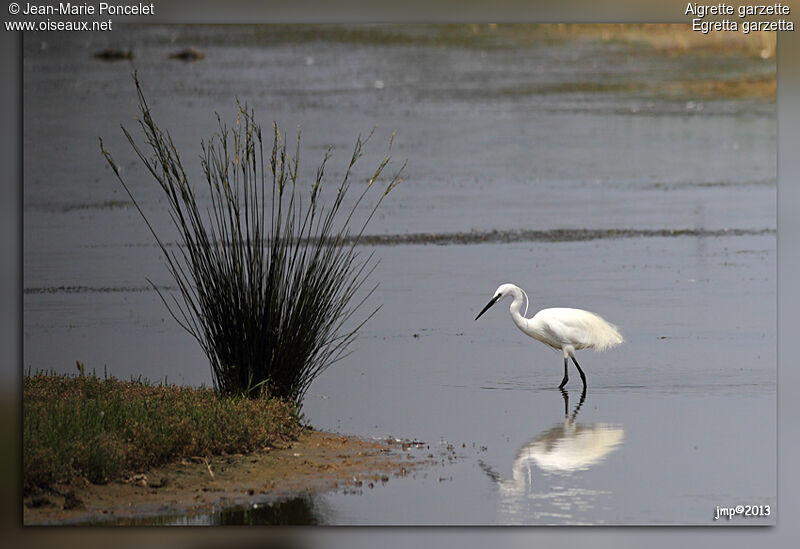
{"x": 679, "y": 202}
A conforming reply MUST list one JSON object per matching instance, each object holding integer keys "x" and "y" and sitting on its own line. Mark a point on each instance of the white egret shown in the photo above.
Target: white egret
{"x": 567, "y": 330}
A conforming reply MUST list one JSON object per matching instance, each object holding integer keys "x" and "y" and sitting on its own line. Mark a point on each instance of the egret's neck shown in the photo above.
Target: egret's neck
{"x": 514, "y": 309}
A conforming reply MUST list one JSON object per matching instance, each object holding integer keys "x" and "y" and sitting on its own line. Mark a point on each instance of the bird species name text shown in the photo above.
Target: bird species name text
{"x": 700, "y": 11}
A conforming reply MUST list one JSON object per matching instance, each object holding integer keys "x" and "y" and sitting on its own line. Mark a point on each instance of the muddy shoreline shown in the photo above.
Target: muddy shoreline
{"x": 317, "y": 462}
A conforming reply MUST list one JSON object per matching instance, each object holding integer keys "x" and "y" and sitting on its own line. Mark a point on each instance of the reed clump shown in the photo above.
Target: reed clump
{"x": 271, "y": 282}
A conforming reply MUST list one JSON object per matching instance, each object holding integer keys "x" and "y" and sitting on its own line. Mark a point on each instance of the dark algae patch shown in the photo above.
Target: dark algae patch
{"x": 554, "y": 235}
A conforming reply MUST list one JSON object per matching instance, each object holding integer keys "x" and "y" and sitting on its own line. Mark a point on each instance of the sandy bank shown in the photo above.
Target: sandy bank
{"x": 317, "y": 461}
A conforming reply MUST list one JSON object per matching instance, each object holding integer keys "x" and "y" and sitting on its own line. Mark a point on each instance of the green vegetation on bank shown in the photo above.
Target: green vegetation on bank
{"x": 101, "y": 429}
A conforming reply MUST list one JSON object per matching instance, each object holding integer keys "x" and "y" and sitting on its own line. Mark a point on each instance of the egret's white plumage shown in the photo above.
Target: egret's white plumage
{"x": 567, "y": 330}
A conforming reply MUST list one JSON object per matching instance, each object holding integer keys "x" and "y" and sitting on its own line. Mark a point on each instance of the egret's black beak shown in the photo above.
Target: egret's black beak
{"x": 492, "y": 302}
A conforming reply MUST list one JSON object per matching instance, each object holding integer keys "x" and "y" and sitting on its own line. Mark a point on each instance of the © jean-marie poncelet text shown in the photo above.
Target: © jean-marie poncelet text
{"x": 100, "y": 8}
{"x": 748, "y": 17}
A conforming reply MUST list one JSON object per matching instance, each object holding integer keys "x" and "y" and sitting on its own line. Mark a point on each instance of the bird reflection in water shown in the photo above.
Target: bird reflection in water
{"x": 569, "y": 447}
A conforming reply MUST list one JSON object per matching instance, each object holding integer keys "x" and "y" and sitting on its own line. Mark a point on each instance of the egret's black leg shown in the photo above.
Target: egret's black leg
{"x": 578, "y": 366}
{"x": 566, "y": 378}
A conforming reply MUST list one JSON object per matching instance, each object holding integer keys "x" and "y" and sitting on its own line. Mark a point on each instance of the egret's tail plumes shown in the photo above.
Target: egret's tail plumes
{"x": 603, "y": 334}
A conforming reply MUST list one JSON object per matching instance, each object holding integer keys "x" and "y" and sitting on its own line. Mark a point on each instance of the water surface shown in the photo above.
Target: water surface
{"x": 656, "y": 211}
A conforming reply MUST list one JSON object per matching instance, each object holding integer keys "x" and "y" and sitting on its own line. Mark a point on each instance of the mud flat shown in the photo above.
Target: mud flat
{"x": 317, "y": 462}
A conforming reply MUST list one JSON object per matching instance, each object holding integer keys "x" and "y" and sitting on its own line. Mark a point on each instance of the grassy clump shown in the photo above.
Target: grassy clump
{"x": 267, "y": 275}
{"x": 102, "y": 428}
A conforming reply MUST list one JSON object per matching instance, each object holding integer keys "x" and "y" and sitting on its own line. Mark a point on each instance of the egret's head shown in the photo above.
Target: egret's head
{"x": 502, "y": 291}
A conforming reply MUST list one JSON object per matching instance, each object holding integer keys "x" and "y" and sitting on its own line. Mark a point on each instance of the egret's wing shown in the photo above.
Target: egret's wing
{"x": 565, "y": 331}
{"x": 579, "y": 328}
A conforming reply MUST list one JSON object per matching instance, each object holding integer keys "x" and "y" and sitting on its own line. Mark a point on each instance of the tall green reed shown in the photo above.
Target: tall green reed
{"x": 269, "y": 278}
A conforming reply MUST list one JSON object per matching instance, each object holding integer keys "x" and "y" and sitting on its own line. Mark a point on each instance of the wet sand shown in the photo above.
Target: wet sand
{"x": 316, "y": 462}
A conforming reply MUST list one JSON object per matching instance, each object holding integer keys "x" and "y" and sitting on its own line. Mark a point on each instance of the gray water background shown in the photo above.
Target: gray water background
{"x": 491, "y": 147}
